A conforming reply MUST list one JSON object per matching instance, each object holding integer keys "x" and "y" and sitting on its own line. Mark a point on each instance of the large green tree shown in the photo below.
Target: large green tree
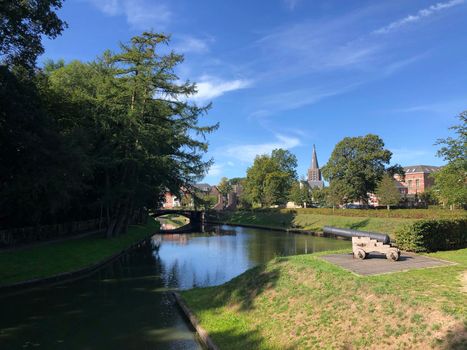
{"x": 224, "y": 187}
{"x": 270, "y": 178}
{"x": 35, "y": 159}
{"x": 22, "y": 25}
{"x": 300, "y": 193}
{"x": 451, "y": 180}
{"x": 104, "y": 138}
{"x": 356, "y": 166}
{"x": 387, "y": 192}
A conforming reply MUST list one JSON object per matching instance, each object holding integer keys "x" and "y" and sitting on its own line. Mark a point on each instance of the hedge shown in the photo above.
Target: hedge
{"x": 433, "y": 235}
{"x": 431, "y": 213}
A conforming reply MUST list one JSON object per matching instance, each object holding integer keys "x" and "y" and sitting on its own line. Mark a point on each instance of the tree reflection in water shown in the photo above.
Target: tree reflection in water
{"x": 125, "y": 305}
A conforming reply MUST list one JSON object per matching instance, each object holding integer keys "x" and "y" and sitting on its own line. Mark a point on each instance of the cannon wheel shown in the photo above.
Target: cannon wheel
{"x": 392, "y": 255}
{"x": 359, "y": 254}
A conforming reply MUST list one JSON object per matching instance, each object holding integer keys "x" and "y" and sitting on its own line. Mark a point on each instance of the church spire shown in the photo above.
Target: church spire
{"x": 314, "y": 174}
{"x": 314, "y": 159}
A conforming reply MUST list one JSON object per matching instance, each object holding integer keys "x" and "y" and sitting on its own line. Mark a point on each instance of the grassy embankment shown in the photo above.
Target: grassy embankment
{"x": 314, "y": 219}
{"x": 303, "y": 302}
{"x": 174, "y": 220}
{"x": 55, "y": 258}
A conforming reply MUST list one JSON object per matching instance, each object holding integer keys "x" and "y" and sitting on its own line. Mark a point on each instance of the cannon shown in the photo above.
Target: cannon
{"x": 365, "y": 242}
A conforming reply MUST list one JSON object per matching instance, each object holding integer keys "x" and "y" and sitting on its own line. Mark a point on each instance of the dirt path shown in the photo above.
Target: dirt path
{"x": 464, "y": 281}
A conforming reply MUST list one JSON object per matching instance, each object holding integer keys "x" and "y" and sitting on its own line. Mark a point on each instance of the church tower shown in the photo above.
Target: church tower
{"x": 314, "y": 174}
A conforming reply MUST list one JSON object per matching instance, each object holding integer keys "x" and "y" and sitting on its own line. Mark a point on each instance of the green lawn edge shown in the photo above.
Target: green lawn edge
{"x": 52, "y": 259}
{"x": 269, "y": 307}
{"x": 311, "y": 222}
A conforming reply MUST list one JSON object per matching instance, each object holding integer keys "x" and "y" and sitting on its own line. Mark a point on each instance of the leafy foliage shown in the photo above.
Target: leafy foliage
{"x": 387, "y": 192}
{"x": 104, "y": 138}
{"x": 224, "y": 187}
{"x": 455, "y": 149}
{"x": 451, "y": 180}
{"x": 429, "y": 197}
{"x": 22, "y": 24}
{"x": 356, "y": 166}
{"x": 301, "y": 194}
{"x": 433, "y": 235}
{"x": 270, "y": 178}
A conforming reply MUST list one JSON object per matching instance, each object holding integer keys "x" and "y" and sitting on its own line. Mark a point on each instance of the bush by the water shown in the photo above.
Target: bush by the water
{"x": 433, "y": 235}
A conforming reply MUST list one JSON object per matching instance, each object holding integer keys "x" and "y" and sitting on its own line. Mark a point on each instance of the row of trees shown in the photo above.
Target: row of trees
{"x": 357, "y": 166}
{"x": 91, "y": 139}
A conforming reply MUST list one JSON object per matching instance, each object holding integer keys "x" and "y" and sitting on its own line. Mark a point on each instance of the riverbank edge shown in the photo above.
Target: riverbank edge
{"x": 321, "y": 261}
{"x": 280, "y": 229}
{"x": 68, "y": 276}
{"x": 203, "y": 335}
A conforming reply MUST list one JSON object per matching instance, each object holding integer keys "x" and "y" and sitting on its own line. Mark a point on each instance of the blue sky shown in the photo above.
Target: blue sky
{"x": 293, "y": 73}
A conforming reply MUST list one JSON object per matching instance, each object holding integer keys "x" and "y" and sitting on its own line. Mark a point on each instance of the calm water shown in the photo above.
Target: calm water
{"x": 126, "y": 305}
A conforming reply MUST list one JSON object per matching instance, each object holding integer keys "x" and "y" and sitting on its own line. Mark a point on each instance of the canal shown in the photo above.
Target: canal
{"x": 126, "y": 304}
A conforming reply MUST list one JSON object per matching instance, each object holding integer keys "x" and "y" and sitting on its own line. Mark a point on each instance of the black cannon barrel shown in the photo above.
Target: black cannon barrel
{"x": 345, "y": 232}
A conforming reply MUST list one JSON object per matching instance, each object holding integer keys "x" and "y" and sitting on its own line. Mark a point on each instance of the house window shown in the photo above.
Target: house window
{"x": 410, "y": 183}
{"x": 417, "y": 183}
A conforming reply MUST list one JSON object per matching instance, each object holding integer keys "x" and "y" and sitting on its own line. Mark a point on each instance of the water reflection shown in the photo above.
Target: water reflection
{"x": 223, "y": 252}
{"x": 126, "y": 305}
{"x": 172, "y": 222}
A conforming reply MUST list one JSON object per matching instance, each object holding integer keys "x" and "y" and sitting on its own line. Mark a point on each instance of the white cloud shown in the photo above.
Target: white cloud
{"x": 191, "y": 44}
{"x": 442, "y": 108}
{"x": 426, "y": 12}
{"x": 109, "y": 7}
{"x": 319, "y": 46}
{"x": 140, "y": 14}
{"x": 215, "y": 170}
{"x": 211, "y": 87}
{"x": 247, "y": 153}
{"x": 284, "y": 101}
{"x": 406, "y": 155}
{"x": 291, "y": 4}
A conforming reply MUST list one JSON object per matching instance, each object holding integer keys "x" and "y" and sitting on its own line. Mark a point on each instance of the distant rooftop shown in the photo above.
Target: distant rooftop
{"x": 203, "y": 186}
{"x": 421, "y": 169}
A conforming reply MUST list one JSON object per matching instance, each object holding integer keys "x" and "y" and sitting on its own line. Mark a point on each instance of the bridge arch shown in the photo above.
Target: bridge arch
{"x": 195, "y": 216}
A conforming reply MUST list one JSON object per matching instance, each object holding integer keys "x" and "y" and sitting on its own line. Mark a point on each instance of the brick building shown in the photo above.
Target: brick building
{"x": 418, "y": 178}
{"x": 171, "y": 201}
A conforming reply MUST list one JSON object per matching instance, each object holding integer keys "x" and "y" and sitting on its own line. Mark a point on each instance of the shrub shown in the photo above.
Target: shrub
{"x": 433, "y": 235}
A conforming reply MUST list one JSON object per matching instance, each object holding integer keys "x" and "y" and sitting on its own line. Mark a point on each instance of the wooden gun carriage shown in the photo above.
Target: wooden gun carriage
{"x": 364, "y": 243}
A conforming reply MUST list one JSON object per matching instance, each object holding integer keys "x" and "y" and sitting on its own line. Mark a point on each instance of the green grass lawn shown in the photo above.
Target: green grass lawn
{"x": 174, "y": 220}
{"x": 54, "y": 258}
{"x": 309, "y": 221}
{"x": 304, "y": 302}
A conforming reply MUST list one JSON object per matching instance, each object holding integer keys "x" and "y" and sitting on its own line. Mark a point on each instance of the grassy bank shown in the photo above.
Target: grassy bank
{"x": 174, "y": 220}
{"x": 307, "y": 303}
{"x": 431, "y": 213}
{"x": 55, "y": 258}
{"x": 309, "y": 220}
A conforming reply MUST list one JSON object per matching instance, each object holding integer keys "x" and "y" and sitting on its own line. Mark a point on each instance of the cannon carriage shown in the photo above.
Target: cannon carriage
{"x": 364, "y": 242}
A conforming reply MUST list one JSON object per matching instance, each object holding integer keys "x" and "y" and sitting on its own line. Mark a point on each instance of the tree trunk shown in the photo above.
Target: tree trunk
{"x": 101, "y": 215}
{"x": 122, "y": 218}
{"x": 388, "y": 206}
{"x": 113, "y": 222}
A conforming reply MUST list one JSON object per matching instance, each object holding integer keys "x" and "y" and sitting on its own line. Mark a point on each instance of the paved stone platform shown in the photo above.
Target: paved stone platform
{"x": 376, "y": 264}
